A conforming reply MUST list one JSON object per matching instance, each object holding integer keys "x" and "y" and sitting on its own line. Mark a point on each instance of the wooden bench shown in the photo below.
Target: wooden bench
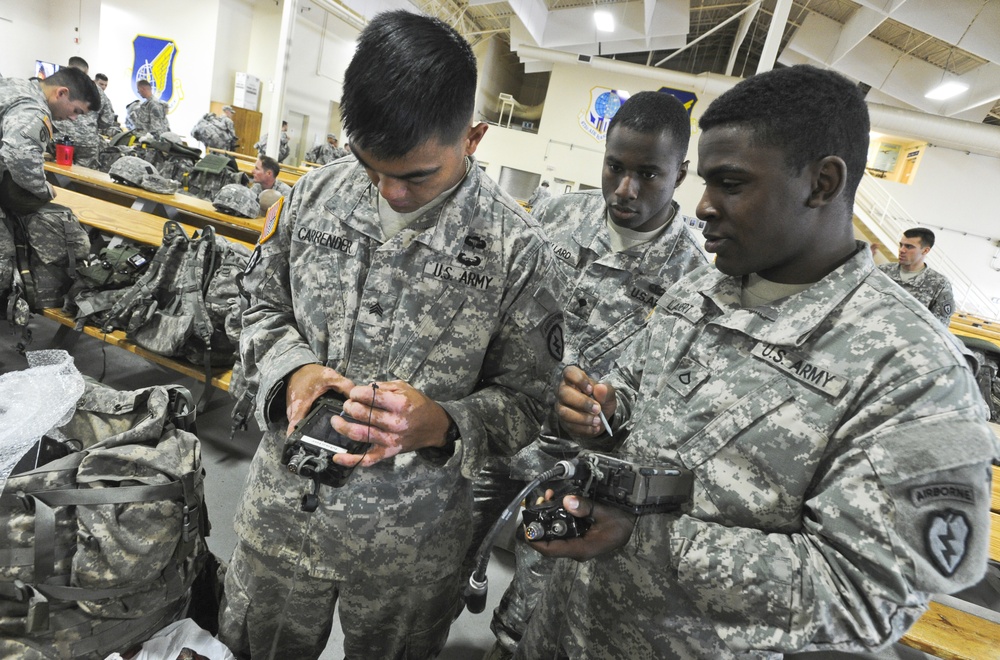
{"x": 143, "y": 228}
{"x": 953, "y": 630}
{"x": 171, "y": 206}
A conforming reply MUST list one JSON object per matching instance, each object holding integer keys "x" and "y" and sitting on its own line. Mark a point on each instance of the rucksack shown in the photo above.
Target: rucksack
{"x": 106, "y": 541}
{"x": 183, "y": 306}
{"x": 48, "y": 244}
{"x": 172, "y": 160}
{"x": 210, "y": 174}
{"x": 103, "y": 277}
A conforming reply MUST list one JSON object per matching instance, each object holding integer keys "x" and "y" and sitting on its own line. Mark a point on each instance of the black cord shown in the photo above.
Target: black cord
{"x": 475, "y": 590}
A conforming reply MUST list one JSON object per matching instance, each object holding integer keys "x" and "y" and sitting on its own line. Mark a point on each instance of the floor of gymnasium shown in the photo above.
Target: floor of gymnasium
{"x": 226, "y": 461}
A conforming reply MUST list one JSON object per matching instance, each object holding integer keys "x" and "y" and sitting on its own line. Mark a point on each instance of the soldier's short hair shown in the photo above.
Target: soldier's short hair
{"x": 142, "y": 83}
{"x": 926, "y": 236}
{"x": 78, "y": 62}
{"x": 100, "y": 76}
{"x": 412, "y": 78}
{"x": 806, "y": 112}
{"x": 655, "y": 113}
{"x": 80, "y": 86}
{"x": 269, "y": 164}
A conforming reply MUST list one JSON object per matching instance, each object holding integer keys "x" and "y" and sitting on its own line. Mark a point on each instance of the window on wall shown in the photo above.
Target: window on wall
{"x": 519, "y": 183}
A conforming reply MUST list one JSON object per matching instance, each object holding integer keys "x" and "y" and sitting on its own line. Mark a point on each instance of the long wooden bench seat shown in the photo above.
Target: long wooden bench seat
{"x": 143, "y": 228}
{"x": 288, "y": 173}
{"x": 954, "y": 631}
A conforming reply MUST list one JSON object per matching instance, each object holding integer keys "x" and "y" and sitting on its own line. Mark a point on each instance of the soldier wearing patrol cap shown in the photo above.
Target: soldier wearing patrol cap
{"x": 833, "y": 428}
{"x": 27, "y": 108}
{"x": 409, "y": 284}
{"x": 920, "y": 280}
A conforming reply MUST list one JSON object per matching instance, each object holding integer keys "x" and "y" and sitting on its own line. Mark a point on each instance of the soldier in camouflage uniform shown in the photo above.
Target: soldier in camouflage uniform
{"x": 921, "y": 281}
{"x": 107, "y": 124}
{"x": 26, "y": 110}
{"x": 148, "y": 116}
{"x": 412, "y": 270}
{"x": 617, "y": 250}
{"x": 327, "y": 152}
{"x": 541, "y": 194}
{"x": 834, "y": 430}
{"x": 215, "y": 131}
{"x": 283, "y": 149}
{"x": 85, "y": 132}
{"x": 265, "y": 177}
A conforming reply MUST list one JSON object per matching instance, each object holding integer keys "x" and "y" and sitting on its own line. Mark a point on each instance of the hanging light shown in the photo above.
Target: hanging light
{"x": 604, "y": 21}
{"x": 946, "y": 90}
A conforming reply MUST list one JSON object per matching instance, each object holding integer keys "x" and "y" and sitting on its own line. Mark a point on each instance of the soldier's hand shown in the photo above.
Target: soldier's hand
{"x": 580, "y": 400}
{"x": 610, "y": 530}
{"x": 306, "y": 385}
{"x": 395, "y": 417}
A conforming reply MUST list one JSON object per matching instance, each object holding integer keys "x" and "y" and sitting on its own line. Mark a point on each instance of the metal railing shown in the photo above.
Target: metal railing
{"x": 887, "y": 220}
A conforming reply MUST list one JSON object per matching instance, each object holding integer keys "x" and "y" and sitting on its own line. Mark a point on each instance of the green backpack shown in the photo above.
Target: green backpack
{"x": 103, "y": 545}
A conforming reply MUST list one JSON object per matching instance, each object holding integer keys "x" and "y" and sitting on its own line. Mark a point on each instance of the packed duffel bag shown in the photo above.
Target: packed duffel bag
{"x": 100, "y": 547}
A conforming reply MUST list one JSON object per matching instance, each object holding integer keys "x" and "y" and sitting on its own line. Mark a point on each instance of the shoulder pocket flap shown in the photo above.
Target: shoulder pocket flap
{"x": 943, "y": 442}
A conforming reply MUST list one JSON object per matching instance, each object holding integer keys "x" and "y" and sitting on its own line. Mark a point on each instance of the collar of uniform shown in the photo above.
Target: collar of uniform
{"x": 788, "y": 322}
{"x": 589, "y": 232}
{"x": 355, "y": 205}
{"x": 456, "y": 216}
{"x": 656, "y": 253}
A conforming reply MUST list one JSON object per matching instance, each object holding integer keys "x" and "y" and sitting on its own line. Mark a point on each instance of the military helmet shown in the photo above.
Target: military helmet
{"x": 237, "y": 200}
{"x": 130, "y": 170}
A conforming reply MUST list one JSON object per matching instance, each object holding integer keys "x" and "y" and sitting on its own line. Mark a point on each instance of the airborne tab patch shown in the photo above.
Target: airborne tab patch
{"x": 801, "y": 369}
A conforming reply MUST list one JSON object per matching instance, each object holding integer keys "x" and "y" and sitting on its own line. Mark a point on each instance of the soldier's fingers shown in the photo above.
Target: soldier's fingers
{"x": 578, "y": 379}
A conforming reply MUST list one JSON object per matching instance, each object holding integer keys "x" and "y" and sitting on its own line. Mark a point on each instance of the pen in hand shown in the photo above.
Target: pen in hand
{"x": 582, "y": 365}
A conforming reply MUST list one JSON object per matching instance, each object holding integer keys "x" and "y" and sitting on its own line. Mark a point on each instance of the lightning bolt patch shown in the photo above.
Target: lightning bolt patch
{"x": 947, "y": 538}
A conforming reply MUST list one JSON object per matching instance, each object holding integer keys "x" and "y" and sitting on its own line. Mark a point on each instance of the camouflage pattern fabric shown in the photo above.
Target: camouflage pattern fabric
{"x": 930, "y": 287}
{"x": 107, "y": 120}
{"x": 8, "y": 254}
{"x": 841, "y": 476}
{"x": 321, "y": 154}
{"x": 25, "y": 133}
{"x": 82, "y": 132}
{"x": 85, "y": 132}
{"x": 459, "y": 307}
{"x": 148, "y": 116}
{"x": 113, "y": 572}
{"x": 541, "y": 194}
{"x": 300, "y": 616}
{"x": 279, "y": 186}
{"x": 214, "y": 131}
{"x": 283, "y": 148}
{"x": 56, "y": 244}
{"x": 606, "y": 298}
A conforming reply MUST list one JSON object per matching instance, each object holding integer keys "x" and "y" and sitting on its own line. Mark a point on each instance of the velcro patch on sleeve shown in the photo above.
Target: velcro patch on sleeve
{"x": 271, "y": 221}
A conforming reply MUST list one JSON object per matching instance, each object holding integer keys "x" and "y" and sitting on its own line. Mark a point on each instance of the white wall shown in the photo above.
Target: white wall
{"x": 39, "y": 30}
{"x": 562, "y": 149}
{"x": 232, "y": 47}
{"x": 191, "y": 24}
{"x": 957, "y": 194}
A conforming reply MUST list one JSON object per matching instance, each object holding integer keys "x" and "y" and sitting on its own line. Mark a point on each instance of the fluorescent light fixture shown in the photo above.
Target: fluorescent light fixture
{"x": 604, "y": 21}
{"x": 946, "y": 90}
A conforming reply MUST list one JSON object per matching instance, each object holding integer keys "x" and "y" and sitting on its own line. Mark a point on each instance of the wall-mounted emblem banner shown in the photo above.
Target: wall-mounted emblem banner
{"x": 154, "y": 61}
{"x": 604, "y": 103}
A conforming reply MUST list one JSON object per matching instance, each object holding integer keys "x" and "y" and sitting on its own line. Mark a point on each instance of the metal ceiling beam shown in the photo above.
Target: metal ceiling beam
{"x": 770, "y": 52}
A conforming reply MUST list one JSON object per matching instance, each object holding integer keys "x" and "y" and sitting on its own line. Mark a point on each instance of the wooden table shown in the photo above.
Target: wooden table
{"x": 172, "y": 206}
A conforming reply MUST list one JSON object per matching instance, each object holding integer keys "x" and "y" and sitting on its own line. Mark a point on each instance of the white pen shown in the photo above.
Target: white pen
{"x": 581, "y": 362}
{"x": 607, "y": 427}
